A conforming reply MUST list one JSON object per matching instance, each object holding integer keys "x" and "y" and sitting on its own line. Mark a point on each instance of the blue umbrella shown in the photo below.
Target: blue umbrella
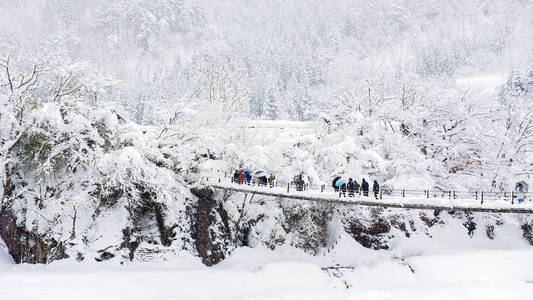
{"x": 340, "y": 182}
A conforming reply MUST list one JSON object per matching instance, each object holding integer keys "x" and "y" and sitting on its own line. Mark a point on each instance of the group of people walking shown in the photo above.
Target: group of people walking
{"x": 242, "y": 177}
{"x": 245, "y": 176}
{"x": 352, "y": 186}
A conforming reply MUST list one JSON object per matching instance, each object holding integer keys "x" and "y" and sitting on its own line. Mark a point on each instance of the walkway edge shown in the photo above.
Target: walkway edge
{"x": 384, "y": 204}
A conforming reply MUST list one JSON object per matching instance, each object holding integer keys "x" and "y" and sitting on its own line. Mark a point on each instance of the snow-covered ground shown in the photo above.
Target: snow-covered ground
{"x": 284, "y": 274}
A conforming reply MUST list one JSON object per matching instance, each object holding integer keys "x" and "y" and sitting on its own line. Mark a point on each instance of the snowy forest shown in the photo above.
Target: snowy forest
{"x": 110, "y": 111}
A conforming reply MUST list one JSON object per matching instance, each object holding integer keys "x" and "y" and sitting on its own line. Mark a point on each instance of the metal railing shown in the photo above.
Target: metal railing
{"x": 290, "y": 186}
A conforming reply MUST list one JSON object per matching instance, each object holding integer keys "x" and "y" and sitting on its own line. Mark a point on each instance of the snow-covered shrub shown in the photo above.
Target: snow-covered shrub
{"x": 77, "y": 173}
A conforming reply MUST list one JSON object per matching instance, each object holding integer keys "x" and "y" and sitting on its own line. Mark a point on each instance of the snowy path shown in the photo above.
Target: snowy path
{"x": 496, "y": 206}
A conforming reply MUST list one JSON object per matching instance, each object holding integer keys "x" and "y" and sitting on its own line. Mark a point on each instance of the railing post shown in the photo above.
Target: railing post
{"x": 481, "y": 197}
{"x": 380, "y": 195}
{"x": 476, "y": 195}
{"x": 512, "y": 197}
{"x": 450, "y": 195}
{"x": 288, "y": 185}
{"x": 454, "y": 195}
{"x": 403, "y": 193}
{"x": 322, "y": 188}
{"x": 219, "y": 180}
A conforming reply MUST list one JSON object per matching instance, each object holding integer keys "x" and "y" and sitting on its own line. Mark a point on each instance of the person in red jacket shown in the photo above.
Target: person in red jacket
{"x": 241, "y": 177}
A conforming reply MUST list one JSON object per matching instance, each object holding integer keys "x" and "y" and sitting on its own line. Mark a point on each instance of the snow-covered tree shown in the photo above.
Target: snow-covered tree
{"x": 514, "y": 138}
{"x": 222, "y": 88}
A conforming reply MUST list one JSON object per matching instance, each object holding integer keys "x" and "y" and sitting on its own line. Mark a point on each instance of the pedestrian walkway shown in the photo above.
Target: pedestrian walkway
{"x": 394, "y": 200}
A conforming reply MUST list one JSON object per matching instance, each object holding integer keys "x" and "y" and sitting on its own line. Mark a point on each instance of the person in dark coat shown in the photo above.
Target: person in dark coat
{"x": 299, "y": 183}
{"x": 343, "y": 189}
{"x": 249, "y": 178}
{"x": 375, "y": 189}
{"x": 351, "y": 187}
{"x": 364, "y": 188}
{"x": 262, "y": 180}
{"x": 333, "y": 184}
{"x": 356, "y": 187}
{"x": 236, "y": 177}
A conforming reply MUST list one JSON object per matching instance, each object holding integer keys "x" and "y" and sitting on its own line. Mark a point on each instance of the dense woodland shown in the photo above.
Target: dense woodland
{"x": 453, "y": 79}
